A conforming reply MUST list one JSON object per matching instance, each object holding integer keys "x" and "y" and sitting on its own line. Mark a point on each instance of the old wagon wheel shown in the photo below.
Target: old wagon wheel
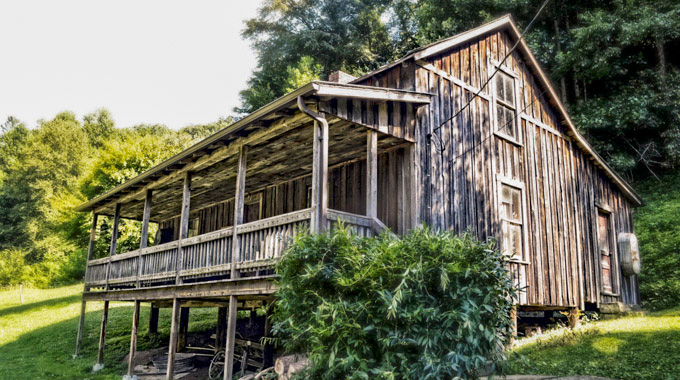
{"x": 216, "y": 369}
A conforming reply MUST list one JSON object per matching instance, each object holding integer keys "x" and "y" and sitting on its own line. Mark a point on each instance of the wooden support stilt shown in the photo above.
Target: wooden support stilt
{"x": 574, "y": 317}
{"x": 90, "y": 253}
{"x": 319, "y": 221}
{"x": 268, "y": 352}
{"x": 238, "y": 208}
{"x": 174, "y": 327}
{"x": 133, "y": 338}
{"x": 102, "y": 338}
{"x": 153, "y": 320}
{"x": 183, "y": 329}
{"x": 231, "y": 338}
{"x": 221, "y": 332}
{"x": 513, "y": 318}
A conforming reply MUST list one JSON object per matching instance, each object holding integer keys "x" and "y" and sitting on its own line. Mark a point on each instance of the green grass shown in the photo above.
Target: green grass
{"x": 642, "y": 347}
{"x": 37, "y": 338}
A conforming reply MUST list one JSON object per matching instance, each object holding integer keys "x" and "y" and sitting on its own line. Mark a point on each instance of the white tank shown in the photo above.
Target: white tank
{"x": 629, "y": 254}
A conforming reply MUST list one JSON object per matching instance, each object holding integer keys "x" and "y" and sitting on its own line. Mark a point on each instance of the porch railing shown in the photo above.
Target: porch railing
{"x": 211, "y": 255}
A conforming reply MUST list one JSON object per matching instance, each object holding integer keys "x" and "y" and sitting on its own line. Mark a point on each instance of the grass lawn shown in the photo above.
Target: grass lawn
{"x": 645, "y": 347}
{"x": 38, "y": 338}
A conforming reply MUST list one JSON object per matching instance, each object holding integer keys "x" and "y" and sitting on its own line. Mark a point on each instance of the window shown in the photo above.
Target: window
{"x": 506, "y": 120}
{"x": 194, "y": 227}
{"x": 512, "y": 221}
{"x": 252, "y": 208}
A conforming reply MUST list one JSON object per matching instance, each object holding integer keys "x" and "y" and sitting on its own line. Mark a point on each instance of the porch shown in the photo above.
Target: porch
{"x": 227, "y": 208}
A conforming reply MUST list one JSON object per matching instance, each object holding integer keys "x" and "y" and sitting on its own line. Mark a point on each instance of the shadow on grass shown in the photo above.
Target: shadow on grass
{"x": 55, "y": 302}
{"x": 45, "y": 353}
{"x": 619, "y": 355}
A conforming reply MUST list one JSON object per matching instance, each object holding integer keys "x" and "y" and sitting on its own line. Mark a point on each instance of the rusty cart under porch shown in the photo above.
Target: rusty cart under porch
{"x": 227, "y": 207}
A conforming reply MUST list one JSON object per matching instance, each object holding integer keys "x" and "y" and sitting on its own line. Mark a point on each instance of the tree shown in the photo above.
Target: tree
{"x": 313, "y": 37}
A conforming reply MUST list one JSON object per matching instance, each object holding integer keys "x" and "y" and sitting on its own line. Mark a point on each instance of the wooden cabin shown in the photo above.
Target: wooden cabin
{"x": 423, "y": 140}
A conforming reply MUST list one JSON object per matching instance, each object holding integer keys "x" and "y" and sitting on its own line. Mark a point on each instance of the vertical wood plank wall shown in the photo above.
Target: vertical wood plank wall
{"x": 346, "y": 192}
{"x": 457, "y": 188}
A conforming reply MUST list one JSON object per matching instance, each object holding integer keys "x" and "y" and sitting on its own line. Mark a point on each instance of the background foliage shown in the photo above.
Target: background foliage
{"x": 423, "y": 306}
{"x": 46, "y": 171}
{"x": 656, "y": 226}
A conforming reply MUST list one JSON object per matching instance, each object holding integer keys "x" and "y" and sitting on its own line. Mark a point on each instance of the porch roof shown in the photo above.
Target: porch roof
{"x": 278, "y": 117}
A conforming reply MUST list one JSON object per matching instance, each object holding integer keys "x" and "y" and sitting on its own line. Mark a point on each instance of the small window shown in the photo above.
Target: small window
{"x": 252, "y": 208}
{"x": 506, "y": 123}
{"x": 512, "y": 223}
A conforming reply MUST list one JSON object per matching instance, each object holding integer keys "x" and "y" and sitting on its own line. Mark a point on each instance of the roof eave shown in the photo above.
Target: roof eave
{"x": 320, "y": 88}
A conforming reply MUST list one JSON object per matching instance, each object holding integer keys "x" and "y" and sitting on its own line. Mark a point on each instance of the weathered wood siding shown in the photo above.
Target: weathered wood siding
{"x": 346, "y": 192}
{"x": 393, "y": 118}
{"x": 458, "y": 187}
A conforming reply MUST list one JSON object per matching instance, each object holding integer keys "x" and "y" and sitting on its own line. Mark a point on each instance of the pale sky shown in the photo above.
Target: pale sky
{"x": 147, "y": 61}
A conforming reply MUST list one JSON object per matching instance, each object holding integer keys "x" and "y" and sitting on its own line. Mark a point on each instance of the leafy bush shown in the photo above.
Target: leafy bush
{"x": 12, "y": 267}
{"x": 426, "y": 305}
{"x": 656, "y": 226}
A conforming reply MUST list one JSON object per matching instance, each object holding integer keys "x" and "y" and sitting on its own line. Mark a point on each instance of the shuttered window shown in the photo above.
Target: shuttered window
{"x": 512, "y": 223}
{"x": 506, "y": 122}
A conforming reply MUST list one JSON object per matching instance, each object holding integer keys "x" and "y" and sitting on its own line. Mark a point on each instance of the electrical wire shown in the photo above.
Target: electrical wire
{"x": 476, "y": 94}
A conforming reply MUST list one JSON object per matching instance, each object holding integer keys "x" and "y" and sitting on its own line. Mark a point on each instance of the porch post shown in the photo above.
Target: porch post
{"x": 231, "y": 338}
{"x": 153, "y": 320}
{"x": 114, "y": 242}
{"x": 172, "y": 348}
{"x": 238, "y": 210}
{"x": 183, "y": 224}
{"x": 319, "y": 221}
{"x": 133, "y": 340}
{"x": 144, "y": 241}
{"x": 90, "y": 252}
{"x": 183, "y": 329}
{"x": 372, "y": 174}
{"x": 221, "y": 333}
{"x": 413, "y": 210}
{"x": 102, "y": 339}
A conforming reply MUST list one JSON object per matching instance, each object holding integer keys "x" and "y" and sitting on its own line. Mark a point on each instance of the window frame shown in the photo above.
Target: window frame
{"x": 519, "y": 185}
{"x": 495, "y": 101}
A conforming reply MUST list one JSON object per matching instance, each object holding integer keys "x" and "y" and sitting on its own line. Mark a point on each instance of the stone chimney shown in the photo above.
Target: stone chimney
{"x": 340, "y": 77}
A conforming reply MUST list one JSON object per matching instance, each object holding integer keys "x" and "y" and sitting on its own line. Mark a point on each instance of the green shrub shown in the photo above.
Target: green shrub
{"x": 425, "y": 305}
{"x": 12, "y": 267}
{"x": 657, "y": 226}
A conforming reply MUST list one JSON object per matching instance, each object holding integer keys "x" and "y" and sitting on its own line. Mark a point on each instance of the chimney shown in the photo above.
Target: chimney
{"x": 340, "y": 77}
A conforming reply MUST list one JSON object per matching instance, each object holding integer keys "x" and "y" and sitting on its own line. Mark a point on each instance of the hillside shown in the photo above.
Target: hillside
{"x": 37, "y": 338}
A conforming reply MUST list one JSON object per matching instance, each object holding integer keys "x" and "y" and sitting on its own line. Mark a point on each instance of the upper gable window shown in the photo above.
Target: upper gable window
{"x": 506, "y": 120}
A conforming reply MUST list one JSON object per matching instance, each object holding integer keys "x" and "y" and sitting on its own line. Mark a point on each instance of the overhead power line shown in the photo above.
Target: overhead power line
{"x": 476, "y": 94}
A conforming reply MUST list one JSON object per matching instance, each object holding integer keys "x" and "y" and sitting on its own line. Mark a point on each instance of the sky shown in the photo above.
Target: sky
{"x": 168, "y": 62}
